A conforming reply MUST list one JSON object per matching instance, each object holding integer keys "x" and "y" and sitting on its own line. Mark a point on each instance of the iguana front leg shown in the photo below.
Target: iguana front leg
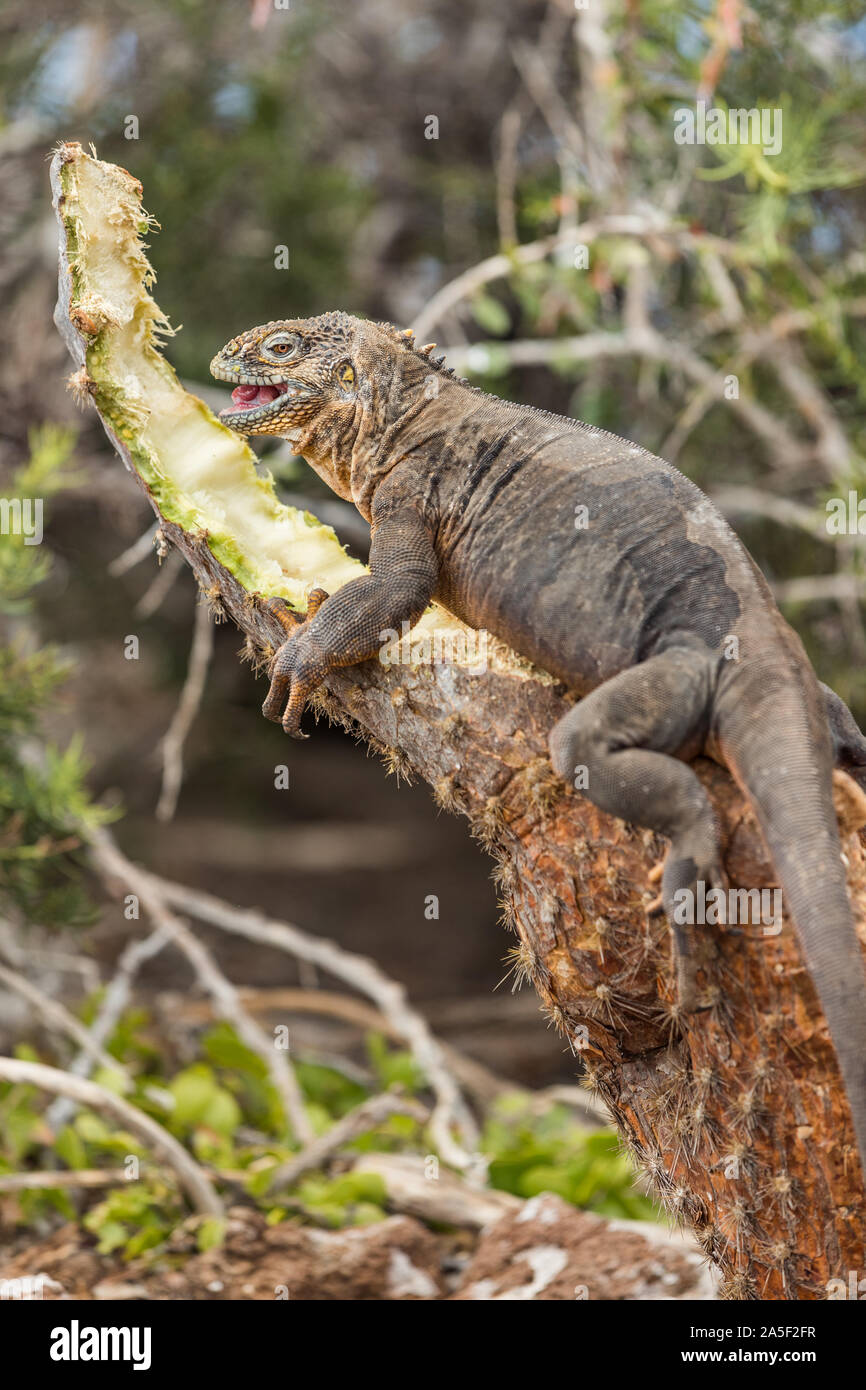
{"x": 348, "y": 626}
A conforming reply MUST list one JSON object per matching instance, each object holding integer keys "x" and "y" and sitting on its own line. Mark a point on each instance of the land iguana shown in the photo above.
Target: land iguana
{"x": 649, "y": 609}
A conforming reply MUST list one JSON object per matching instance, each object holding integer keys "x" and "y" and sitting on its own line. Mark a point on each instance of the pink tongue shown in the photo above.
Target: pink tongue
{"x": 248, "y": 396}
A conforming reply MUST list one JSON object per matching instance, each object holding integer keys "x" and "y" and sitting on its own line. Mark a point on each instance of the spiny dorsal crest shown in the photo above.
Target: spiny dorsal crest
{"x": 405, "y": 338}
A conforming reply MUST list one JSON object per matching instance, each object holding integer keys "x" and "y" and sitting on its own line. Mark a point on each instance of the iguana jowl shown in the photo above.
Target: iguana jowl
{"x": 605, "y": 566}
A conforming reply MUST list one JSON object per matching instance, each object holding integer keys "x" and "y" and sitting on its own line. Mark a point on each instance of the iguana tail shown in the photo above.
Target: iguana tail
{"x": 773, "y": 731}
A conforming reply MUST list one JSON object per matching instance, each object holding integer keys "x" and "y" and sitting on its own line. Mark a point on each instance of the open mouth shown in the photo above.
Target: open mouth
{"x": 251, "y": 401}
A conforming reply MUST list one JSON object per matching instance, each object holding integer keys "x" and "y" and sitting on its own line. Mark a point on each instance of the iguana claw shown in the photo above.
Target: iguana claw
{"x": 294, "y": 671}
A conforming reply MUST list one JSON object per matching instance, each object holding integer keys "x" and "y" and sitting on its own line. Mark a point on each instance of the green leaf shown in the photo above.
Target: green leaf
{"x": 200, "y": 1100}
{"x": 111, "y": 1236}
{"x": 546, "y": 1178}
{"x": 329, "y": 1212}
{"x": 358, "y": 1187}
{"x": 366, "y": 1214}
{"x": 91, "y": 1128}
{"x": 146, "y": 1239}
{"x": 70, "y": 1149}
{"x": 393, "y": 1067}
{"x": 222, "y": 1113}
{"x": 258, "y": 1182}
{"x": 111, "y": 1079}
{"x": 210, "y": 1233}
{"x": 490, "y": 315}
{"x": 223, "y": 1046}
{"x": 333, "y": 1091}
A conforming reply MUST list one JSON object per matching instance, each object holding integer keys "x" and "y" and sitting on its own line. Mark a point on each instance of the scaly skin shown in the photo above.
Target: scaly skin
{"x": 605, "y": 566}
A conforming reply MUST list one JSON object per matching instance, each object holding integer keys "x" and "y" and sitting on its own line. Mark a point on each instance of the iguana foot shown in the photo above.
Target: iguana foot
{"x": 691, "y": 871}
{"x": 849, "y": 745}
{"x": 297, "y": 666}
{"x": 288, "y": 618}
{"x": 657, "y": 906}
{"x": 285, "y": 616}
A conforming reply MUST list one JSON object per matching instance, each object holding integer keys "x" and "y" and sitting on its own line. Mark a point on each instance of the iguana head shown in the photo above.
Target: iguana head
{"x": 332, "y": 385}
{"x": 291, "y": 373}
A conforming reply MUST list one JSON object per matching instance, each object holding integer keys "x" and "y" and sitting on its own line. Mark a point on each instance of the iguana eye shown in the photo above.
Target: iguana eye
{"x": 280, "y": 347}
{"x": 346, "y": 374}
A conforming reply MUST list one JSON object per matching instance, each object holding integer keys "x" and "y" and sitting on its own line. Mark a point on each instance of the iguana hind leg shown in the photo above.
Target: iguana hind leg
{"x": 624, "y": 736}
{"x": 849, "y": 744}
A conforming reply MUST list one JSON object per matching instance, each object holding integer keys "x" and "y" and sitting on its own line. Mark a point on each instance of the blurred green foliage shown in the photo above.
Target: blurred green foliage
{"x": 549, "y": 1152}
{"x": 226, "y": 1112}
{"x": 43, "y": 794}
{"x": 228, "y": 143}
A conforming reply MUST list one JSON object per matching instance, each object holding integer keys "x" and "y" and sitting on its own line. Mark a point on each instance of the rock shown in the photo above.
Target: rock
{"x": 550, "y": 1251}
{"x": 540, "y": 1249}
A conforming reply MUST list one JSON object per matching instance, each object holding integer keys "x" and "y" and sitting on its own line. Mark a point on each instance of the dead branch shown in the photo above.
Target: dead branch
{"x": 752, "y": 501}
{"x": 786, "y": 451}
{"x": 115, "y": 1000}
{"x": 814, "y": 588}
{"x": 113, "y": 864}
{"x": 600, "y": 118}
{"x": 134, "y": 554}
{"x": 185, "y": 714}
{"x": 500, "y": 266}
{"x": 59, "y": 1017}
{"x": 163, "y": 582}
{"x": 81, "y": 1177}
{"x": 366, "y": 1116}
{"x": 435, "y": 1196}
{"x": 365, "y": 976}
